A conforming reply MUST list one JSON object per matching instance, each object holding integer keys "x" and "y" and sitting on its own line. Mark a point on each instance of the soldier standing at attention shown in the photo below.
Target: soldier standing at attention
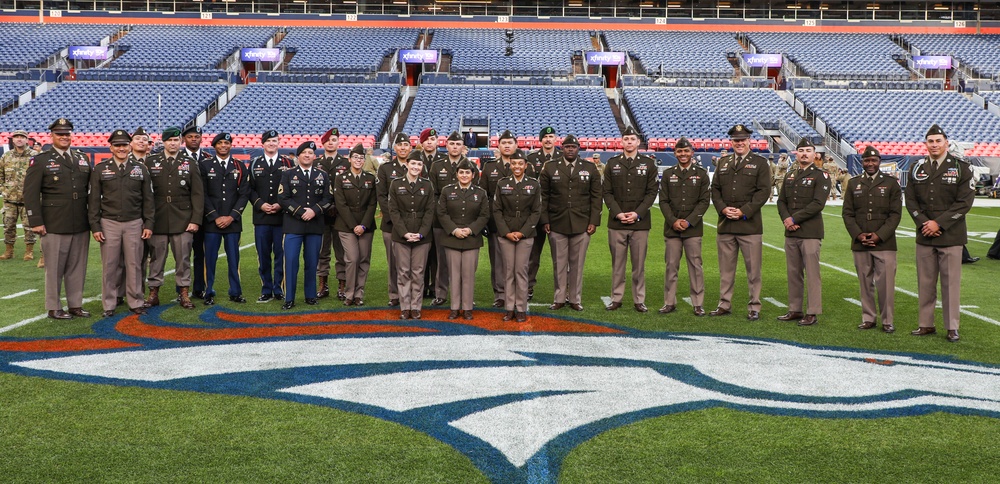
{"x": 387, "y": 172}
{"x": 192, "y": 147}
{"x": 800, "y": 206}
{"x": 536, "y": 160}
{"x": 333, "y": 164}
{"x": 629, "y": 191}
{"x": 493, "y": 172}
{"x": 265, "y": 178}
{"x": 684, "y": 198}
{"x": 873, "y": 205}
{"x": 739, "y": 190}
{"x": 463, "y": 210}
{"x": 227, "y": 189}
{"x": 55, "y": 198}
{"x": 121, "y": 217}
{"x": 411, "y": 206}
{"x": 304, "y": 196}
{"x": 179, "y": 196}
{"x": 442, "y": 174}
{"x": 939, "y": 194}
{"x": 355, "y": 199}
{"x": 516, "y": 208}
{"x": 13, "y": 166}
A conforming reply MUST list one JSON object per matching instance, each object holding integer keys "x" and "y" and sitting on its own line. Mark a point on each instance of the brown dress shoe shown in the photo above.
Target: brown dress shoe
{"x": 808, "y": 320}
{"x": 699, "y": 311}
{"x": 952, "y": 336}
{"x": 341, "y": 287}
{"x": 404, "y": 314}
{"x": 790, "y": 316}
{"x": 153, "y": 299}
{"x": 499, "y": 303}
{"x": 324, "y": 289}
{"x": 59, "y": 314}
{"x": 415, "y": 314}
{"x": 867, "y": 325}
{"x": 719, "y": 312}
{"x": 108, "y": 313}
{"x": 79, "y": 312}
{"x": 520, "y": 317}
{"x": 453, "y": 314}
{"x": 139, "y": 311}
{"x": 348, "y": 302}
{"x": 923, "y": 331}
{"x": 576, "y": 306}
{"x": 467, "y": 314}
{"x": 753, "y": 315}
{"x": 508, "y": 316}
{"x": 393, "y": 303}
{"x": 556, "y": 306}
{"x": 667, "y": 309}
{"x": 888, "y": 328}
{"x": 613, "y": 306}
{"x": 640, "y": 307}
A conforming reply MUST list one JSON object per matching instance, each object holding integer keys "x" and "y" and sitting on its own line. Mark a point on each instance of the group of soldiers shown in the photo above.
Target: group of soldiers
{"x": 781, "y": 165}
{"x": 437, "y": 207}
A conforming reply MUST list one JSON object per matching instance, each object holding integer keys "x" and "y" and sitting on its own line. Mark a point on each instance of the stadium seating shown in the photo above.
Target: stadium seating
{"x": 480, "y": 52}
{"x": 682, "y": 54}
{"x": 836, "y": 56}
{"x": 306, "y": 110}
{"x": 24, "y": 46}
{"x": 978, "y": 52}
{"x": 11, "y": 90}
{"x": 173, "y": 46}
{"x": 344, "y": 50}
{"x": 582, "y": 111}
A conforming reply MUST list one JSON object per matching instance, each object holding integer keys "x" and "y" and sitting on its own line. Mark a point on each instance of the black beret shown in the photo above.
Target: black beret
{"x": 507, "y": 135}
{"x": 61, "y": 125}
{"x": 870, "y": 152}
{"x": 170, "y": 132}
{"x": 308, "y": 145}
{"x": 400, "y": 138}
{"x": 683, "y": 143}
{"x": 268, "y": 135}
{"x": 192, "y": 129}
{"x": 935, "y": 130}
{"x": 119, "y": 137}
{"x": 546, "y": 130}
{"x": 222, "y": 137}
{"x": 358, "y": 149}
{"x": 629, "y": 131}
{"x": 805, "y": 143}
{"x": 454, "y": 136}
{"x": 139, "y": 132}
{"x": 739, "y": 132}
{"x": 570, "y": 140}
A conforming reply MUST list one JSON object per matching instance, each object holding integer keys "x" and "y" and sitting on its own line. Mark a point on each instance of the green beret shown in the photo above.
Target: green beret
{"x": 683, "y": 143}
{"x": 739, "y": 132}
{"x": 171, "y": 132}
{"x": 546, "y": 130}
{"x": 935, "y": 130}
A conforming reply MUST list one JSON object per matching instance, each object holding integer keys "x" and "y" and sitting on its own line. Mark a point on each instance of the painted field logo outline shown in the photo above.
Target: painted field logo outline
{"x": 514, "y": 398}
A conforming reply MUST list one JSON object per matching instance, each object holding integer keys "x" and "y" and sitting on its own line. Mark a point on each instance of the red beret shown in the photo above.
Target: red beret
{"x": 326, "y": 136}
{"x": 427, "y": 133}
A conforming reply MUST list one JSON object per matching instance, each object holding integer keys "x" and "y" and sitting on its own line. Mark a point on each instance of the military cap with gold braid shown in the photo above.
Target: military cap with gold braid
{"x": 739, "y": 132}
{"x": 61, "y": 126}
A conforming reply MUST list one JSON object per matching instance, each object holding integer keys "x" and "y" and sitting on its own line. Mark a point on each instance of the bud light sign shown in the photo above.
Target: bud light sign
{"x": 418, "y": 56}
{"x": 92, "y": 52}
{"x": 260, "y": 55}
{"x": 762, "y": 60}
{"x": 595, "y": 58}
{"x": 932, "y": 61}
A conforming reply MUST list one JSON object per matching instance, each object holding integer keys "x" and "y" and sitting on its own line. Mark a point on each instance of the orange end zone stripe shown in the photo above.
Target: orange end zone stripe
{"x": 131, "y": 326}
{"x": 72, "y": 344}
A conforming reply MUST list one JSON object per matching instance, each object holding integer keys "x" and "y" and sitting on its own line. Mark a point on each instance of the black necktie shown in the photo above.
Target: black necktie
{"x": 121, "y": 168}
{"x": 170, "y": 161}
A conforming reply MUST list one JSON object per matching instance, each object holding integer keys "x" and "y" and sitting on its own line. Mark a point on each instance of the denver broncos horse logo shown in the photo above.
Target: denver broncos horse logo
{"x": 515, "y": 398}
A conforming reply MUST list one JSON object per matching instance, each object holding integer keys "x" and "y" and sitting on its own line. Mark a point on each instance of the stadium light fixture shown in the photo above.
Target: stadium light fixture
{"x": 794, "y": 6}
{"x": 873, "y": 6}
{"x": 939, "y": 6}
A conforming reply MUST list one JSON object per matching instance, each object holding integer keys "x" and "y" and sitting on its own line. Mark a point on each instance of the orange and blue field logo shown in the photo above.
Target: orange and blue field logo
{"x": 515, "y": 398}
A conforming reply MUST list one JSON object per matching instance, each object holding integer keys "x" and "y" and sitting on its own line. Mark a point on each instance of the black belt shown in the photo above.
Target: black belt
{"x": 14, "y": 203}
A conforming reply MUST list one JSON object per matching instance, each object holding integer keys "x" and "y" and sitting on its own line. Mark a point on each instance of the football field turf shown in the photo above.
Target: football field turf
{"x": 53, "y": 428}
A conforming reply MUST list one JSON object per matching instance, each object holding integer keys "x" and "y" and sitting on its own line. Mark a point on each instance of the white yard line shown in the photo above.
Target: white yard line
{"x": 18, "y": 294}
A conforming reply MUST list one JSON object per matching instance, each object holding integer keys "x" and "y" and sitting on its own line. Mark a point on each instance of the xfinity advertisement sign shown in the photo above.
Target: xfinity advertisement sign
{"x": 260, "y": 55}
{"x": 605, "y": 58}
{"x": 418, "y": 56}
{"x": 762, "y": 60}
{"x": 932, "y": 61}
{"x": 88, "y": 52}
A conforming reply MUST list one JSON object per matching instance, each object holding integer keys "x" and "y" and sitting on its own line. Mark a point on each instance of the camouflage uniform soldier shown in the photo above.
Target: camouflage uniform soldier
{"x": 13, "y": 166}
{"x": 831, "y": 168}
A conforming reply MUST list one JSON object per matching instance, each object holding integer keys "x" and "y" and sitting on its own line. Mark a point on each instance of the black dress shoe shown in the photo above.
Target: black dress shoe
{"x": 264, "y": 298}
{"x": 467, "y": 314}
{"x": 640, "y": 307}
{"x": 719, "y": 312}
{"x": 531, "y": 293}
{"x": 699, "y": 311}
{"x": 59, "y": 314}
{"x": 108, "y": 314}
{"x": 288, "y": 305}
{"x": 508, "y": 316}
{"x": 438, "y": 301}
{"x": 238, "y": 298}
{"x": 498, "y": 303}
{"x": 139, "y": 311}
{"x": 278, "y": 297}
{"x": 312, "y": 301}
{"x": 415, "y": 314}
{"x": 970, "y": 260}
{"x": 209, "y": 300}
{"x": 952, "y": 336}
{"x": 556, "y": 306}
{"x": 867, "y": 325}
{"x": 79, "y": 312}
{"x": 667, "y": 309}
{"x": 753, "y": 315}
{"x": 393, "y": 303}
{"x": 520, "y": 317}
{"x": 808, "y": 320}
{"x": 199, "y": 294}
{"x": 923, "y": 331}
{"x": 119, "y": 301}
{"x": 576, "y": 306}
{"x": 613, "y": 306}
{"x": 453, "y": 314}
{"x": 790, "y": 316}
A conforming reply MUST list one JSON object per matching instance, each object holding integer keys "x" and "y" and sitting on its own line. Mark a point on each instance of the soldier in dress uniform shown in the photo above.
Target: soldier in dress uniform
{"x": 13, "y": 166}
{"x": 463, "y": 210}
{"x": 800, "y": 205}
{"x": 411, "y": 207}
{"x": 355, "y": 199}
{"x": 179, "y": 197}
{"x": 333, "y": 164}
{"x": 427, "y": 151}
{"x": 192, "y": 147}
{"x": 570, "y": 213}
{"x": 629, "y": 191}
{"x": 873, "y": 205}
{"x": 536, "y": 160}
{"x": 121, "y": 214}
{"x": 227, "y": 190}
{"x": 139, "y": 147}
{"x": 265, "y": 178}
{"x": 684, "y": 198}
{"x": 55, "y": 199}
{"x": 517, "y": 206}
{"x": 138, "y": 152}
{"x": 387, "y": 172}
{"x": 442, "y": 174}
{"x": 939, "y": 194}
{"x": 305, "y": 194}
{"x": 739, "y": 190}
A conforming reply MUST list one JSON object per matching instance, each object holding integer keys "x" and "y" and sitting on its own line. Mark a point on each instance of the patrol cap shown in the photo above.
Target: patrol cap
{"x": 935, "y": 129}
{"x": 570, "y": 140}
{"x": 683, "y": 143}
{"x": 268, "y": 135}
{"x": 19, "y": 132}
{"x": 308, "y": 145}
{"x": 427, "y": 133}
{"x": 739, "y": 132}
{"x": 119, "y": 137}
{"x": 805, "y": 143}
{"x": 358, "y": 149}
{"x": 329, "y": 134}
{"x": 629, "y": 131}
{"x": 454, "y": 136}
{"x": 464, "y": 165}
{"x": 870, "y": 152}
{"x": 222, "y": 137}
{"x": 61, "y": 126}
{"x": 192, "y": 129}
{"x": 140, "y": 132}
{"x": 546, "y": 130}
{"x": 170, "y": 132}
{"x": 401, "y": 138}
{"x": 507, "y": 135}
{"x": 518, "y": 155}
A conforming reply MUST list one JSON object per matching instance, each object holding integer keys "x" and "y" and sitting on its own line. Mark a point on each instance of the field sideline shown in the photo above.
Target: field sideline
{"x": 58, "y": 430}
